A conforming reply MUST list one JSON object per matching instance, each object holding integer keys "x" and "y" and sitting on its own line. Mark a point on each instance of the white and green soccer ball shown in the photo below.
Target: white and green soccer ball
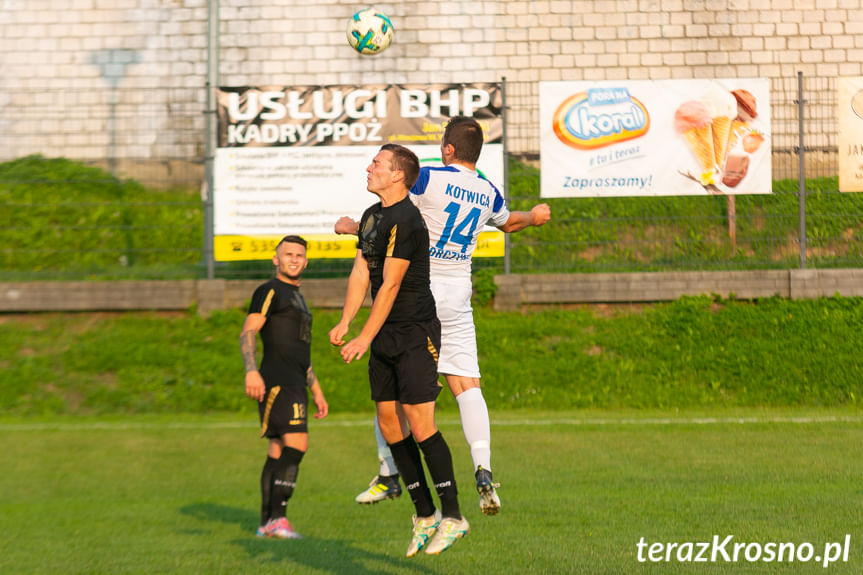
{"x": 370, "y": 31}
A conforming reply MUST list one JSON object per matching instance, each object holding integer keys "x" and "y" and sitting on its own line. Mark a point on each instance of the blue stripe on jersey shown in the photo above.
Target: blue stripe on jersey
{"x": 423, "y": 179}
{"x": 498, "y": 198}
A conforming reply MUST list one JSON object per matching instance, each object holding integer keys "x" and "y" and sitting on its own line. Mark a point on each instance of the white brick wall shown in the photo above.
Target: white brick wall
{"x": 56, "y": 56}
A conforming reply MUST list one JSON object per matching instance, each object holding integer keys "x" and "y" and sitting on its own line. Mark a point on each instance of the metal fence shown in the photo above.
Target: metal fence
{"x": 140, "y": 215}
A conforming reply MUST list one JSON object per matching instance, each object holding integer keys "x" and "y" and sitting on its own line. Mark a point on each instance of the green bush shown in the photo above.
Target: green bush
{"x": 59, "y": 217}
{"x": 694, "y": 352}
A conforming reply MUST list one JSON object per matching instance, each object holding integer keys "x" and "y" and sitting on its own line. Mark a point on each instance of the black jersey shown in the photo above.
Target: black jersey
{"x": 287, "y": 333}
{"x": 399, "y": 231}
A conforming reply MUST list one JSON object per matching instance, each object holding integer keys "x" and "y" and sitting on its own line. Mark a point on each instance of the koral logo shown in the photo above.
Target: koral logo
{"x": 600, "y": 117}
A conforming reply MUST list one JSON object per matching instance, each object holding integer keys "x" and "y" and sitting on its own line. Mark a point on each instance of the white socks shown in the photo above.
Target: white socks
{"x": 388, "y": 466}
{"x": 476, "y": 426}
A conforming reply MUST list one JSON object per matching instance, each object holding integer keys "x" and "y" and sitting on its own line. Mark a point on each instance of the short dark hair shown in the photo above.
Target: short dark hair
{"x": 405, "y": 161}
{"x": 291, "y": 240}
{"x": 464, "y": 134}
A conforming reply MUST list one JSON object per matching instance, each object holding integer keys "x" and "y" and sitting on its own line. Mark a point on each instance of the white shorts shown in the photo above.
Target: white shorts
{"x": 458, "y": 354}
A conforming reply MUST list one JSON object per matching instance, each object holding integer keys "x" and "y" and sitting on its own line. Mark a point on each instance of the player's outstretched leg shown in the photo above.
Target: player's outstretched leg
{"x": 425, "y": 521}
{"x": 477, "y": 432}
{"x": 385, "y": 485}
{"x": 489, "y": 502}
{"x": 453, "y": 526}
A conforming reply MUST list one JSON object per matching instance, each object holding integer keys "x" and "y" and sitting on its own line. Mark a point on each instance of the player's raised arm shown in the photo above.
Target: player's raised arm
{"x": 394, "y": 272}
{"x": 346, "y": 226}
{"x": 358, "y": 285}
{"x": 537, "y": 216}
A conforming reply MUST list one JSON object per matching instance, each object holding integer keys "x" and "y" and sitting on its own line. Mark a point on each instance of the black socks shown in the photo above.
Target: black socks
{"x": 277, "y": 483}
{"x": 439, "y": 461}
{"x": 406, "y": 454}
{"x": 267, "y": 487}
{"x": 438, "y": 458}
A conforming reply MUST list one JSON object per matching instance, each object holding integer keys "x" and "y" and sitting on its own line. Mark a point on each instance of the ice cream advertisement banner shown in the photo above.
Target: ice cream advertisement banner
{"x": 292, "y": 160}
{"x": 655, "y": 138}
{"x": 851, "y": 134}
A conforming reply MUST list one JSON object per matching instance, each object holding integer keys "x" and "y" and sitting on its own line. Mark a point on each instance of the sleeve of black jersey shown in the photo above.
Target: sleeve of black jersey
{"x": 262, "y": 300}
{"x": 365, "y": 221}
{"x": 404, "y": 239}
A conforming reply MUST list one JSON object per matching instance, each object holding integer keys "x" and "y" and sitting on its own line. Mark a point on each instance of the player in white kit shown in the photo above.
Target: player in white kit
{"x": 456, "y": 203}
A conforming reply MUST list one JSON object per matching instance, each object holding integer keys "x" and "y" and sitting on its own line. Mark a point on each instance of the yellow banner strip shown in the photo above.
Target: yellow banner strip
{"x": 324, "y": 246}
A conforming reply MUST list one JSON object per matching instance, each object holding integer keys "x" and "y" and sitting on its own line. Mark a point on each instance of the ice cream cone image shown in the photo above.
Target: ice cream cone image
{"x": 721, "y": 129}
{"x": 693, "y": 122}
{"x": 700, "y": 141}
{"x": 722, "y": 107}
{"x": 738, "y": 128}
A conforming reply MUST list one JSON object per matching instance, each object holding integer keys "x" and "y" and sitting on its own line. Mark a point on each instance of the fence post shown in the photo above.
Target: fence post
{"x": 210, "y": 116}
{"x": 506, "y": 246}
{"x": 801, "y": 177}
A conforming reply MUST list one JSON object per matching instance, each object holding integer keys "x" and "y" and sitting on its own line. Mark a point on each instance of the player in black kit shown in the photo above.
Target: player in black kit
{"x": 402, "y": 333}
{"x": 279, "y": 312}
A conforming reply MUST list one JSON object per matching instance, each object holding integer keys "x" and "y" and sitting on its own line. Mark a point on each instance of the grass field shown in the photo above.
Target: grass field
{"x": 690, "y": 353}
{"x": 175, "y": 494}
{"x": 128, "y": 447}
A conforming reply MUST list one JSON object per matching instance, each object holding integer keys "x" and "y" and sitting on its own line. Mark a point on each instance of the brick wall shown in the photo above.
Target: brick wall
{"x": 125, "y": 79}
{"x": 517, "y": 290}
{"x": 205, "y": 295}
{"x": 513, "y": 292}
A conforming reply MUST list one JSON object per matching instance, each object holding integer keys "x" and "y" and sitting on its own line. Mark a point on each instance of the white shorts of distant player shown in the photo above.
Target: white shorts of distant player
{"x": 458, "y": 355}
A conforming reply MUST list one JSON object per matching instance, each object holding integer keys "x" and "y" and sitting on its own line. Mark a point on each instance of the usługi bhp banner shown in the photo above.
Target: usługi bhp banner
{"x": 851, "y": 134}
{"x": 655, "y": 138}
{"x": 292, "y": 160}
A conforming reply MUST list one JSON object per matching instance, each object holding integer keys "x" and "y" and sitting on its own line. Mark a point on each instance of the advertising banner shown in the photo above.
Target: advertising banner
{"x": 654, "y": 138}
{"x": 851, "y": 134}
{"x": 292, "y": 160}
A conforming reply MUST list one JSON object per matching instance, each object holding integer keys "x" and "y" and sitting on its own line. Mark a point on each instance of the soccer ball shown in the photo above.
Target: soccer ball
{"x": 370, "y": 31}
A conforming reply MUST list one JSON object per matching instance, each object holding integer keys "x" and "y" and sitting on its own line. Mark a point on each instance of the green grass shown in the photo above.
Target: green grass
{"x": 693, "y": 352}
{"x": 60, "y": 219}
{"x": 128, "y": 446}
{"x": 178, "y": 494}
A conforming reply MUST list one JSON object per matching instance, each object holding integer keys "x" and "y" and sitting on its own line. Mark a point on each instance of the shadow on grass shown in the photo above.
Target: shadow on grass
{"x": 337, "y": 556}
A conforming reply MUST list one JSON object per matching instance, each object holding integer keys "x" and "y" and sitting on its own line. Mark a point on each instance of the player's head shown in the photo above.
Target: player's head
{"x": 464, "y": 134}
{"x": 290, "y": 258}
{"x": 392, "y": 164}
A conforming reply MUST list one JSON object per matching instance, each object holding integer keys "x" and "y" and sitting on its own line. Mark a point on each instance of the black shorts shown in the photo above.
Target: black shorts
{"x": 284, "y": 410}
{"x": 403, "y": 363}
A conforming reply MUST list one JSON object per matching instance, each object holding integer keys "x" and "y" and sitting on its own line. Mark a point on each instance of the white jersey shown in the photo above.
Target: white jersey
{"x": 456, "y": 203}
